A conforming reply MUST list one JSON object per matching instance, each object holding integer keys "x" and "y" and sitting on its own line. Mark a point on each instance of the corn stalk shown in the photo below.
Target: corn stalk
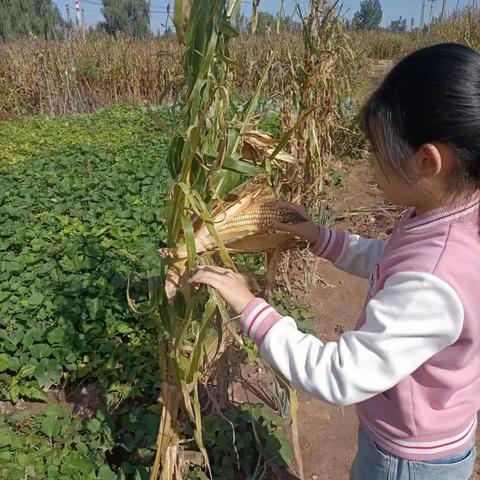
{"x": 192, "y": 157}
{"x": 208, "y": 160}
{"x": 310, "y": 114}
{"x": 311, "y": 109}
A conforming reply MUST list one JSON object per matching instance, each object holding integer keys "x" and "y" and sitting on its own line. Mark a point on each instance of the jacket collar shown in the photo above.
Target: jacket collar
{"x": 442, "y": 215}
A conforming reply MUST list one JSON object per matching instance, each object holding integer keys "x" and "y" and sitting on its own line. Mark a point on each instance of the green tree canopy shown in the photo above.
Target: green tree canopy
{"x": 131, "y": 17}
{"x": 23, "y": 18}
{"x": 369, "y": 16}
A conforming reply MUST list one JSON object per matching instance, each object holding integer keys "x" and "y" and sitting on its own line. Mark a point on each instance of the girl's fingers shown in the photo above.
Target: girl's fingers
{"x": 208, "y": 278}
{"x": 213, "y": 269}
{"x": 283, "y": 227}
{"x": 300, "y": 209}
{"x": 204, "y": 279}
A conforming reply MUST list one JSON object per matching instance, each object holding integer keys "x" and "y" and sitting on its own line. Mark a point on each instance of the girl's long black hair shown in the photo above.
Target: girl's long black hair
{"x": 431, "y": 96}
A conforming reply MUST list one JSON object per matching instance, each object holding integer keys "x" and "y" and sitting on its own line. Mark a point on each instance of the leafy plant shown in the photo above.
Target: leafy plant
{"x": 135, "y": 437}
{"x": 53, "y": 444}
{"x": 82, "y": 207}
{"x": 338, "y": 178}
{"x": 272, "y": 124}
{"x": 288, "y": 305}
{"x": 245, "y": 439}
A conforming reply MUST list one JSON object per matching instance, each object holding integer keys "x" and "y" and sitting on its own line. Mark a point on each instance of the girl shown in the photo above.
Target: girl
{"x": 412, "y": 365}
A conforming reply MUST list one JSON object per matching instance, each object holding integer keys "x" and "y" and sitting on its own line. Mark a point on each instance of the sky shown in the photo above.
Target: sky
{"x": 392, "y": 9}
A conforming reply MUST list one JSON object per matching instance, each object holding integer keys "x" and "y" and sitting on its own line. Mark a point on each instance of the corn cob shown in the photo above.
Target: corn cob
{"x": 260, "y": 218}
{"x": 244, "y": 225}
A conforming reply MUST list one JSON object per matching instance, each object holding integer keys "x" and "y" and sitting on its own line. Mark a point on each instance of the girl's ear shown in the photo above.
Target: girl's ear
{"x": 433, "y": 159}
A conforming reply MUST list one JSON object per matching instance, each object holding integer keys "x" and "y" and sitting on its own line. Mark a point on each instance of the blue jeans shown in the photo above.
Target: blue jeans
{"x": 374, "y": 463}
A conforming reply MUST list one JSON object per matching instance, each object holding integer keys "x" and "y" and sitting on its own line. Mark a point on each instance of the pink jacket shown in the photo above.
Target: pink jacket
{"x": 412, "y": 364}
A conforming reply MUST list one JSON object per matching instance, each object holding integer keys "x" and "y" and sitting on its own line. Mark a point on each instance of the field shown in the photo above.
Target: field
{"x": 87, "y": 183}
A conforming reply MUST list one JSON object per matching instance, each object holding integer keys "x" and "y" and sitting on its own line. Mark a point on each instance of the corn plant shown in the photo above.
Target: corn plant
{"x": 310, "y": 117}
{"x": 206, "y": 159}
{"x": 310, "y": 112}
{"x": 317, "y": 83}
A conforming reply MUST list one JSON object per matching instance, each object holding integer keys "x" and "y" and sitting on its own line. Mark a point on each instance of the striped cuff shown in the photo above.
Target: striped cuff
{"x": 258, "y": 318}
{"x": 329, "y": 244}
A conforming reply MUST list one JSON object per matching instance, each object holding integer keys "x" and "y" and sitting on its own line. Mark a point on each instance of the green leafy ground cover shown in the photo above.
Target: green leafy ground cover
{"x": 81, "y": 210}
{"x": 82, "y": 206}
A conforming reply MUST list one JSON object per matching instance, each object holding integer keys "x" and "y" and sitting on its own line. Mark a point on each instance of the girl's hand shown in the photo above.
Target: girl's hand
{"x": 228, "y": 285}
{"x": 306, "y": 230}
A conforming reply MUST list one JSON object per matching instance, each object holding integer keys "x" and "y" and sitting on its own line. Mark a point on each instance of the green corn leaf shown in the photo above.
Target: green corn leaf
{"x": 208, "y": 313}
{"x": 227, "y": 30}
{"x": 184, "y": 324}
{"x": 223, "y": 182}
{"x": 186, "y": 393}
{"x": 195, "y": 101}
{"x": 174, "y": 216}
{"x": 190, "y": 241}
{"x": 174, "y": 156}
{"x": 156, "y": 290}
{"x": 235, "y": 164}
{"x": 192, "y": 142}
{"x": 233, "y": 7}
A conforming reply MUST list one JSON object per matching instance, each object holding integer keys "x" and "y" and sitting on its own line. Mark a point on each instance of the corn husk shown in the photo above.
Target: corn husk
{"x": 249, "y": 238}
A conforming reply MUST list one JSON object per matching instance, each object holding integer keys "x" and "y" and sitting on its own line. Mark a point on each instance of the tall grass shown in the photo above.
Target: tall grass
{"x": 77, "y": 76}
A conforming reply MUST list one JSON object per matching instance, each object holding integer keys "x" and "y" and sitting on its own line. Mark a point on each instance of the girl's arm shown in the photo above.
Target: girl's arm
{"x": 414, "y": 317}
{"x": 350, "y": 253}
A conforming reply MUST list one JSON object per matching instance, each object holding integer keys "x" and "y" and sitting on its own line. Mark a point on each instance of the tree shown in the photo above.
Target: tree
{"x": 398, "y": 26}
{"x": 369, "y": 16}
{"x": 23, "y": 18}
{"x": 131, "y": 17}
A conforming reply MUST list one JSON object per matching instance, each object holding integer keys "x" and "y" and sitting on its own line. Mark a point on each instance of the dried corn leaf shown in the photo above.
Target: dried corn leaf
{"x": 257, "y": 146}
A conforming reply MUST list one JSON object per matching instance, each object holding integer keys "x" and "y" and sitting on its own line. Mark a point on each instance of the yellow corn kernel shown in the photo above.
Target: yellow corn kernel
{"x": 259, "y": 217}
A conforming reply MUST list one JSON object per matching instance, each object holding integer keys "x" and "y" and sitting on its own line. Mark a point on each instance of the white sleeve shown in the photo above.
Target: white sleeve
{"x": 414, "y": 317}
{"x": 359, "y": 255}
{"x": 350, "y": 253}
